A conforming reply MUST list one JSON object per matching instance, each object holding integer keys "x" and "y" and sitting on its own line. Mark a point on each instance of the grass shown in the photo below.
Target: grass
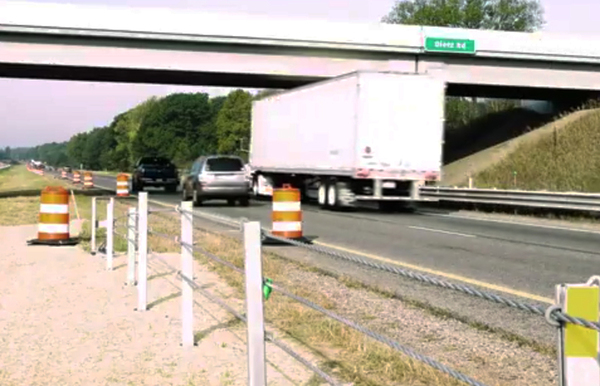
{"x": 19, "y": 210}
{"x": 562, "y": 159}
{"x": 476, "y": 145}
{"x": 344, "y": 352}
{"x": 445, "y": 314}
{"x": 350, "y": 355}
{"x": 22, "y": 210}
{"x": 19, "y": 178}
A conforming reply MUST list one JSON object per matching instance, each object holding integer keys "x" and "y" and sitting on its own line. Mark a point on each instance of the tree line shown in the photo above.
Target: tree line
{"x": 179, "y": 126}
{"x": 184, "y": 126}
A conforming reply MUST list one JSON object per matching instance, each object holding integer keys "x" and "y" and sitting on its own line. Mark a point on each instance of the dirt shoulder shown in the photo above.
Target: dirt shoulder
{"x": 65, "y": 320}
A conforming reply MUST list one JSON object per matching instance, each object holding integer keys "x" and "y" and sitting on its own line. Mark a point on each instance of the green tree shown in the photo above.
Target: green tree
{"x": 178, "y": 126}
{"x": 76, "y": 148}
{"x": 208, "y": 130}
{"x": 126, "y": 127}
{"x": 233, "y": 123}
{"x": 171, "y": 128}
{"x": 504, "y": 15}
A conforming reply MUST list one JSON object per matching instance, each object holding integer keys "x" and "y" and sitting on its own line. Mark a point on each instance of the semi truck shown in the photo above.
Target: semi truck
{"x": 364, "y": 136}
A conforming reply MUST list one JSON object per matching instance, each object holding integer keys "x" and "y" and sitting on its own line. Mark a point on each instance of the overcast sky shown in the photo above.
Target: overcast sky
{"x": 34, "y": 112}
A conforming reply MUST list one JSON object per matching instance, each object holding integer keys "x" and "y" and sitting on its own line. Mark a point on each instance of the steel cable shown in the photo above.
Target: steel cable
{"x": 268, "y": 336}
{"x": 556, "y": 314}
{"x": 395, "y": 345}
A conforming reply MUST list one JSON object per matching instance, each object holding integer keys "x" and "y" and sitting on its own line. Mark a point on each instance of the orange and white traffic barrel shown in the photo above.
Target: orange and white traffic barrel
{"x": 53, "y": 227}
{"x": 76, "y": 177}
{"x": 122, "y": 185}
{"x": 88, "y": 181}
{"x": 63, "y": 175}
{"x": 287, "y": 213}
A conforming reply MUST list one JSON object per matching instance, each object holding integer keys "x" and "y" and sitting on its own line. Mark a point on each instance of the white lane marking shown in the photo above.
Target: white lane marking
{"x": 527, "y": 224}
{"x": 442, "y": 231}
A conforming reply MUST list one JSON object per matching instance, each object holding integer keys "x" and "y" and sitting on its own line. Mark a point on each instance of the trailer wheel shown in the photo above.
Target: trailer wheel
{"x": 332, "y": 195}
{"x": 255, "y": 190}
{"x": 390, "y": 206}
{"x": 322, "y": 194}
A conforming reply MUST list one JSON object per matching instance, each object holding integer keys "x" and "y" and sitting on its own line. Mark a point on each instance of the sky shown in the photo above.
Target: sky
{"x": 33, "y": 112}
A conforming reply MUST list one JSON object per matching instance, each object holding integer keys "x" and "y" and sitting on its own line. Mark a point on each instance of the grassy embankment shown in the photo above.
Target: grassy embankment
{"x": 562, "y": 156}
{"x": 350, "y": 355}
{"x": 559, "y": 156}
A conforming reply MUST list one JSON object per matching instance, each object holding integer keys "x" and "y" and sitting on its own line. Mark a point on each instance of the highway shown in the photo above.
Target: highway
{"x": 525, "y": 260}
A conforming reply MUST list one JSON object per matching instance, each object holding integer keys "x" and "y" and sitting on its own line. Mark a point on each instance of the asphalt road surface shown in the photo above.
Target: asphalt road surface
{"x": 520, "y": 257}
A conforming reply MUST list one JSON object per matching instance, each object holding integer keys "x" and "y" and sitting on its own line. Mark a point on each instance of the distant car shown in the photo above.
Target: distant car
{"x": 154, "y": 172}
{"x": 67, "y": 169}
{"x": 217, "y": 177}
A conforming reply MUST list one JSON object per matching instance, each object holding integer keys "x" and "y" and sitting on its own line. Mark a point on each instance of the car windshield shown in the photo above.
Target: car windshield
{"x": 223, "y": 165}
{"x": 155, "y": 161}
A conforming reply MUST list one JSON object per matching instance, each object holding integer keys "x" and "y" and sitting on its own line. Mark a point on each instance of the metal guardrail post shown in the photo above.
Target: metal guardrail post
{"x": 142, "y": 250}
{"x": 187, "y": 271}
{"x": 131, "y": 228}
{"x": 579, "y": 347}
{"x": 94, "y": 225}
{"x": 257, "y": 370}
{"x": 110, "y": 232}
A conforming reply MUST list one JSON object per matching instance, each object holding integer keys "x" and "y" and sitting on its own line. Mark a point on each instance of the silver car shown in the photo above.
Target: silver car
{"x": 217, "y": 177}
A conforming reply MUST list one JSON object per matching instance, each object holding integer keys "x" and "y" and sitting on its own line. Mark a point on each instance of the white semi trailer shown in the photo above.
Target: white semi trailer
{"x": 364, "y": 136}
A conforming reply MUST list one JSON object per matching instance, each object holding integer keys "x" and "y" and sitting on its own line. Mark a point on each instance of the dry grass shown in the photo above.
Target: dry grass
{"x": 85, "y": 208}
{"x": 560, "y": 160}
{"x": 457, "y": 172}
{"x": 22, "y": 210}
{"x": 19, "y": 178}
{"x": 344, "y": 352}
{"x": 19, "y": 210}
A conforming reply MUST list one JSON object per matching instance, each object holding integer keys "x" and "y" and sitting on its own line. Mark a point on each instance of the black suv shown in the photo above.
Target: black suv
{"x": 154, "y": 172}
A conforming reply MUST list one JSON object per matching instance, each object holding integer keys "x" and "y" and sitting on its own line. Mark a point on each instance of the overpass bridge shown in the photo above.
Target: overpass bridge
{"x": 154, "y": 45}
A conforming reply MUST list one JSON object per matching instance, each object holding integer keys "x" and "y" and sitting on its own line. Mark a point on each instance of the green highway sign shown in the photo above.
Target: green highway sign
{"x": 456, "y": 46}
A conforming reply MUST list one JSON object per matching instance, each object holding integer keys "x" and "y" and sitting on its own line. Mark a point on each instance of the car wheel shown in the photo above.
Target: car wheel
{"x": 231, "y": 201}
{"x": 245, "y": 201}
{"x": 196, "y": 199}
{"x": 171, "y": 188}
